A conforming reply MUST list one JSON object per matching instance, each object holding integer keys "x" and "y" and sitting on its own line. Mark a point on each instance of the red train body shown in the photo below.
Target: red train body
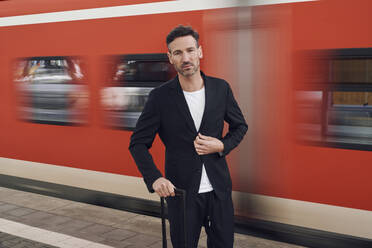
{"x": 257, "y": 48}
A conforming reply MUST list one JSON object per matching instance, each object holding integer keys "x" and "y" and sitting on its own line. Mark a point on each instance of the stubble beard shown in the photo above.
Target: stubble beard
{"x": 187, "y": 73}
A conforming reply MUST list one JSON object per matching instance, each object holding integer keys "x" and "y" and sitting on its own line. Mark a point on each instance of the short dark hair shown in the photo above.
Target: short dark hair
{"x": 181, "y": 31}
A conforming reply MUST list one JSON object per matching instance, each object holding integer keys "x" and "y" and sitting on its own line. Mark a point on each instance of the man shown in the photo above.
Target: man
{"x": 188, "y": 113}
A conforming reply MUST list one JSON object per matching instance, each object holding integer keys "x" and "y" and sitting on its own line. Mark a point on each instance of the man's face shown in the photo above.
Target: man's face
{"x": 185, "y": 55}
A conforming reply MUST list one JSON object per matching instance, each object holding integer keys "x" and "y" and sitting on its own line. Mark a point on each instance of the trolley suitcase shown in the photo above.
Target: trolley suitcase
{"x": 182, "y": 195}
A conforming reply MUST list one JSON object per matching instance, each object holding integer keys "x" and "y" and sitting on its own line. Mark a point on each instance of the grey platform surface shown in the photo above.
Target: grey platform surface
{"x": 101, "y": 225}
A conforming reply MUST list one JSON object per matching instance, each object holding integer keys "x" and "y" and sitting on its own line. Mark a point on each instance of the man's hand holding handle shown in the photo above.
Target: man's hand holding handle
{"x": 163, "y": 187}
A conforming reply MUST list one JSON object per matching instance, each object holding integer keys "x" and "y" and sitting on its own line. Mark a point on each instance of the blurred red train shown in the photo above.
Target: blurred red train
{"x": 75, "y": 75}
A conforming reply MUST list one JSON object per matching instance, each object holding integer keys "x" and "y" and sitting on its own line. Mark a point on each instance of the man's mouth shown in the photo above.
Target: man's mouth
{"x": 187, "y": 66}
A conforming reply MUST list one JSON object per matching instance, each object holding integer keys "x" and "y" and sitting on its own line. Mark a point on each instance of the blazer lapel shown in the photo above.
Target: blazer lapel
{"x": 179, "y": 99}
{"x": 209, "y": 99}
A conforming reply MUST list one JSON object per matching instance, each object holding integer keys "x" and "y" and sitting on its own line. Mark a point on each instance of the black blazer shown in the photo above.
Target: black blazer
{"x": 166, "y": 113}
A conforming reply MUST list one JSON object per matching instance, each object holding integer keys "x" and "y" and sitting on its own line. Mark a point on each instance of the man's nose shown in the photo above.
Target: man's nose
{"x": 185, "y": 57}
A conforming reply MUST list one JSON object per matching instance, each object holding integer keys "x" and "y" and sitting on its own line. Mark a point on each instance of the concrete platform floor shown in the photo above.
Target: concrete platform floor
{"x": 103, "y": 227}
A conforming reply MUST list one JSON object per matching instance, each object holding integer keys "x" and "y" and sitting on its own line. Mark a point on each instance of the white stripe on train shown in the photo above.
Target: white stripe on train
{"x": 134, "y": 10}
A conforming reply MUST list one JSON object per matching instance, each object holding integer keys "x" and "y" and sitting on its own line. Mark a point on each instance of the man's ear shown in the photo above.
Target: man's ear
{"x": 200, "y": 52}
{"x": 170, "y": 57}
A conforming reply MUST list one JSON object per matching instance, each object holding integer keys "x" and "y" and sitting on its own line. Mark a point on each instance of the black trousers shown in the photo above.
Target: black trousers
{"x": 205, "y": 209}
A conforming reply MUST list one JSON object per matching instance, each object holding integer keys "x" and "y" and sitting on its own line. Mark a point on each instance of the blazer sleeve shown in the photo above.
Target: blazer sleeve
{"x": 141, "y": 141}
{"x": 237, "y": 124}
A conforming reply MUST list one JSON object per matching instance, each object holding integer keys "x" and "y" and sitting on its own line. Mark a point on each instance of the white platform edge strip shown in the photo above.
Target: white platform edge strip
{"x": 349, "y": 221}
{"x": 45, "y": 236}
{"x": 134, "y": 10}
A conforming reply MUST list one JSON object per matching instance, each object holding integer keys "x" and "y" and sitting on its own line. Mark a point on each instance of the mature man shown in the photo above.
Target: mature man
{"x": 188, "y": 113}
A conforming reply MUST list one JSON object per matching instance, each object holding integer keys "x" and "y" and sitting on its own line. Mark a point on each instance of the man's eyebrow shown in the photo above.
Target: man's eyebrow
{"x": 178, "y": 50}
{"x": 187, "y": 49}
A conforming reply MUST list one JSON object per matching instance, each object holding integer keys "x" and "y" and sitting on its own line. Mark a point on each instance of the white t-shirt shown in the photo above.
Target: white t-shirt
{"x": 196, "y": 102}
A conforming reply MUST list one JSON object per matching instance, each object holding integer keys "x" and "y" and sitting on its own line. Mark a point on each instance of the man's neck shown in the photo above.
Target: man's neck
{"x": 192, "y": 83}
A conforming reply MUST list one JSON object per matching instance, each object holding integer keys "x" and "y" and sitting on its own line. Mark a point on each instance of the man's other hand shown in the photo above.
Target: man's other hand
{"x": 206, "y": 144}
{"x": 163, "y": 187}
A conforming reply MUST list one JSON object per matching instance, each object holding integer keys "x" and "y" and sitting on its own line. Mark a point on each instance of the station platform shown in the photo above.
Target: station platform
{"x": 29, "y": 220}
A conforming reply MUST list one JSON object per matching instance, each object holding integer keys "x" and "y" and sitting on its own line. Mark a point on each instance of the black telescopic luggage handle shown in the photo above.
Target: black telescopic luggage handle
{"x": 181, "y": 194}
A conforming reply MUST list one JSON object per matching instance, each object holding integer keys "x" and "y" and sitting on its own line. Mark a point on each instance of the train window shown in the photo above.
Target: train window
{"x": 337, "y": 110}
{"x": 51, "y": 90}
{"x": 350, "y": 117}
{"x": 352, "y": 70}
{"x": 130, "y": 79}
